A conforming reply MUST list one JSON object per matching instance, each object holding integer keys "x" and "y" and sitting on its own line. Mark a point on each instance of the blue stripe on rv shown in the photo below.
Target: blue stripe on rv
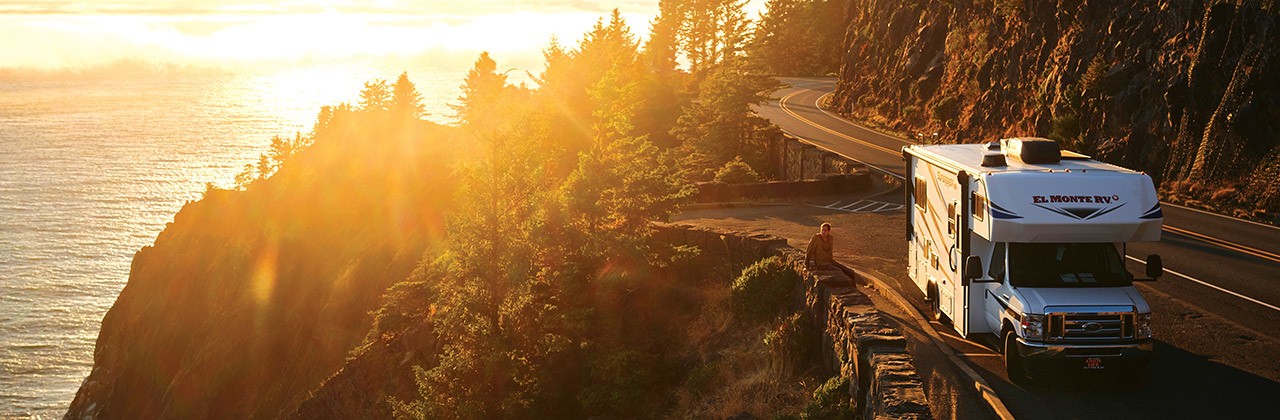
{"x": 1002, "y": 213}
{"x": 1154, "y": 213}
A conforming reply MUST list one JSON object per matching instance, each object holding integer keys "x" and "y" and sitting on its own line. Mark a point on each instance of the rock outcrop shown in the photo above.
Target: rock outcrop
{"x": 250, "y": 299}
{"x": 1181, "y": 89}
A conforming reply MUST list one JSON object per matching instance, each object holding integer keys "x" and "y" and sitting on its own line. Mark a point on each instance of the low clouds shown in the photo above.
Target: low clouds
{"x": 396, "y": 7}
{"x": 46, "y": 34}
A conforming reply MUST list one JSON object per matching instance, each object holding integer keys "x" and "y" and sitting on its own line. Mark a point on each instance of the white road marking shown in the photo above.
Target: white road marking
{"x": 1220, "y": 215}
{"x": 818, "y": 104}
{"x": 864, "y": 206}
{"x": 851, "y": 205}
{"x": 782, "y": 104}
{"x": 1214, "y": 286}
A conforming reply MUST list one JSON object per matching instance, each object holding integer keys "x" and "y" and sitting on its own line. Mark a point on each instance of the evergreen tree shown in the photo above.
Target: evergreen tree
{"x": 661, "y": 93}
{"x": 720, "y": 124}
{"x": 827, "y": 33}
{"x": 376, "y": 96}
{"x": 565, "y": 97}
{"x": 711, "y": 32}
{"x": 664, "y": 36}
{"x": 405, "y": 99}
{"x": 782, "y": 42}
{"x": 482, "y": 93}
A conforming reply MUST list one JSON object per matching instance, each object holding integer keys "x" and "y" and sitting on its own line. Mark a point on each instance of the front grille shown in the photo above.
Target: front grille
{"x": 1087, "y": 327}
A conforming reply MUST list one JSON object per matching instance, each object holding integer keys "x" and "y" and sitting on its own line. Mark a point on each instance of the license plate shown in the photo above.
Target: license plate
{"x": 1093, "y": 363}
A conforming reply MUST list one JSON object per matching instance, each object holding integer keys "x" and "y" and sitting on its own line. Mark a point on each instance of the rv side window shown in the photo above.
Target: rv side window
{"x": 951, "y": 219}
{"x": 922, "y": 196}
{"x": 979, "y": 207}
{"x": 996, "y": 271}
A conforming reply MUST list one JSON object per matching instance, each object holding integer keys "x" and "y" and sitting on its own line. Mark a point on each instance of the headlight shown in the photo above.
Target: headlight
{"x": 1144, "y": 326}
{"x": 1033, "y": 327}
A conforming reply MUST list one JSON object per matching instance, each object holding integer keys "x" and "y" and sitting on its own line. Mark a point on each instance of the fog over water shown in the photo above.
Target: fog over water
{"x": 91, "y": 170}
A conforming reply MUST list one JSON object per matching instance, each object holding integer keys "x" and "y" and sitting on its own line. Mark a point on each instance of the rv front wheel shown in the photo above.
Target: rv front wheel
{"x": 1012, "y": 359}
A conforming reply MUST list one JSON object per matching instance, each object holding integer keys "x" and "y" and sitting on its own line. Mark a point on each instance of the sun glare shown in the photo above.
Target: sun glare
{"x": 224, "y": 34}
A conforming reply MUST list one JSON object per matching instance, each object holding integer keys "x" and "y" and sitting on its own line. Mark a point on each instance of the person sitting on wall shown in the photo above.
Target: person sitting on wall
{"x": 820, "y": 247}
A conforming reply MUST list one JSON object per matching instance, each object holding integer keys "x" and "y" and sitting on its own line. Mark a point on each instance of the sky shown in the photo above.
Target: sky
{"x": 70, "y": 34}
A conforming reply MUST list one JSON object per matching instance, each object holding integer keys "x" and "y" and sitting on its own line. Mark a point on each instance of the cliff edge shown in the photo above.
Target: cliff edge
{"x": 249, "y": 299}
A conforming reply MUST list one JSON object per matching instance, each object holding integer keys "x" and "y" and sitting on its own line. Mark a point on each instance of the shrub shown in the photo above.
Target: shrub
{"x": 791, "y": 343}
{"x": 763, "y": 288}
{"x": 946, "y": 110}
{"x": 830, "y": 401}
{"x": 702, "y": 379}
{"x": 1095, "y": 75}
{"x": 621, "y": 381}
{"x": 737, "y": 172}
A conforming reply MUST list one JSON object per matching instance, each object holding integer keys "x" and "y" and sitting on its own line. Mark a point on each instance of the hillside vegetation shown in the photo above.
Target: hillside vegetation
{"x": 500, "y": 267}
{"x": 1180, "y": 89}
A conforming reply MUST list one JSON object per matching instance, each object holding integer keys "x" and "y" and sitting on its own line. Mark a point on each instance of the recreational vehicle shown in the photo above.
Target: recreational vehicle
{"x": 1027, "y": 242}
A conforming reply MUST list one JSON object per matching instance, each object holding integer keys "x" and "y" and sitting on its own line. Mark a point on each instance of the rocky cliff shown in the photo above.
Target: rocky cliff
{"x": 1183, "y": 89}
{"x": 249, "y": 299}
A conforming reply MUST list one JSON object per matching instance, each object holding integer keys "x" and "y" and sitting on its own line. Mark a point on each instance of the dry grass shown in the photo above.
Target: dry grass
{"x": 733, "y": 372}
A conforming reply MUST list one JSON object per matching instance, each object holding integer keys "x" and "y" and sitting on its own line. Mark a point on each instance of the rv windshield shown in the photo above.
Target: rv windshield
{"x": 1066, "y": 265}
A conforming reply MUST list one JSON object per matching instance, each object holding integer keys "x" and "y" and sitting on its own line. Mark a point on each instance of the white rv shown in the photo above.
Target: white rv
{"x": 1026, "y": 242}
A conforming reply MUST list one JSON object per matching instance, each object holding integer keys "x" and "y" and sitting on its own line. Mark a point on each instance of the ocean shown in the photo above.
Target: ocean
{"x": 91, "y": 170}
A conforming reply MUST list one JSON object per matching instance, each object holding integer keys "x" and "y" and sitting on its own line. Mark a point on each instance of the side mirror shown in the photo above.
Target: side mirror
{"x": 1155, "y": 267}
{"x": 972, "y": 268}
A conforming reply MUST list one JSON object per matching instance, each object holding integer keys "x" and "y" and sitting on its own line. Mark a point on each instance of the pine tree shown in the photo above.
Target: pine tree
{"x": 711, "y": 32}
{"x": 376, "y": 96}
{"x": 660, "y": 51}
{"x": 482, "y": 92}
{"x": 782, "y": 42}
{"x": 405, "y": 99}
{"x": 827, "y": 33}
{"x": 721, "y": 124}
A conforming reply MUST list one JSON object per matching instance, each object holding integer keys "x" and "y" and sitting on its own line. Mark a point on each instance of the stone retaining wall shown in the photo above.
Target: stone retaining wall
{"x": 797, "y": 160}
{"x": 857, "y": 180}
{"x": 858, "y": 343}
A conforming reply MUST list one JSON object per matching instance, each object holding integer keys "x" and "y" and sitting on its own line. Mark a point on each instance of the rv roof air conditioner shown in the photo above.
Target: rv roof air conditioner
{"x": 1032, "y": 150}
{"x": 993, "y": 159}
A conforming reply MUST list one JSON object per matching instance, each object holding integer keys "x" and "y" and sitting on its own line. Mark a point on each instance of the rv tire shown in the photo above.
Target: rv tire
{"x": 935, "y": 305}
{"x": 1012, "y": 359}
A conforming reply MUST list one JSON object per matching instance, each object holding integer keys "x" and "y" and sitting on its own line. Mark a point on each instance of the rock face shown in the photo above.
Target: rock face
{"x": 1181, "y": 89}
{"x": 250, "y": 299}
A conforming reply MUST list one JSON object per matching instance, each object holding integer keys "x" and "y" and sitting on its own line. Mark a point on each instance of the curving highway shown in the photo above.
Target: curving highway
{"x": 1225, "y": 267}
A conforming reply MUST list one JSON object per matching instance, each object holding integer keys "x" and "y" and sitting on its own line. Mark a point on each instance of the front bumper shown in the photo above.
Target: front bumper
{"x": 1039, "y": 357}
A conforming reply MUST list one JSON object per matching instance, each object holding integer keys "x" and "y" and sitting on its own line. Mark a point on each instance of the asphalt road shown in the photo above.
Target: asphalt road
{"x": 1217, "y": 308}
{"x": 1228, "y": 266}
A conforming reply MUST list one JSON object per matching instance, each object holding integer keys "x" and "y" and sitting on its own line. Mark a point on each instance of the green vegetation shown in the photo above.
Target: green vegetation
{"x": 764, "y": 288}
{"x": 792, "y": 343}
{"x": 799, "y": 37}
{"x": 737, "y": 172}
{"x": 830, "y": 401}
{"x": 540, "y": 295}
{"x": 541, "y": 286}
